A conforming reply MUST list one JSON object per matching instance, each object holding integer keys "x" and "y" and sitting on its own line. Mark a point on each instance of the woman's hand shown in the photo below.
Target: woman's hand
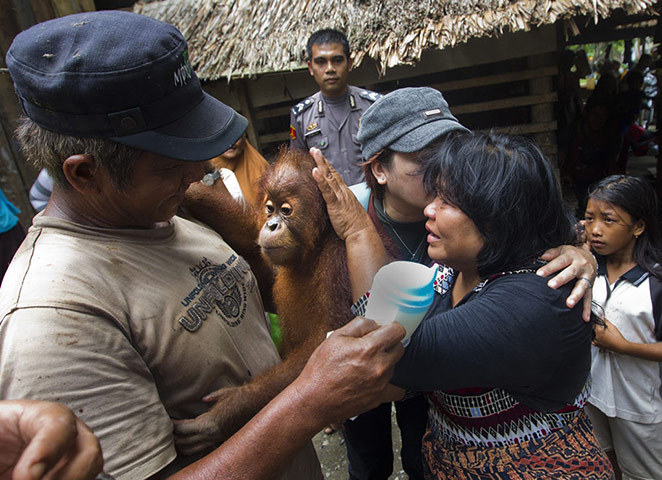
{"x": 571, "y": 263}
{"x": 365, "y": 251}
{"x": 346, "y": 213}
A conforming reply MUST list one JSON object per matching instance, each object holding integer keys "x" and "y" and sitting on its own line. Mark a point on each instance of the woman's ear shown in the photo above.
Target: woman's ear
{"x": 639, "y": 228}
{"x": 379, "y": 172}
{"x": 81, "y": 173}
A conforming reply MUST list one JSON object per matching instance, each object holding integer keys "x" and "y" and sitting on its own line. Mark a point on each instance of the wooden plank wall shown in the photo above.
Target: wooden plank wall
{"x": 515, "y": 96}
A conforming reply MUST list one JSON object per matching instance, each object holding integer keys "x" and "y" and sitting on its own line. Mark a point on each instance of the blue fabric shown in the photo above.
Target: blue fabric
{"x": 8, "y": 214}
{"x": 362, "y": 193}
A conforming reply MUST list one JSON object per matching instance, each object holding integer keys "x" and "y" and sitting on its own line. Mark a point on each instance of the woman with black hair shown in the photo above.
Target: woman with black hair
{"x": 396, "y": 134}
{"x": 505, "y": 360}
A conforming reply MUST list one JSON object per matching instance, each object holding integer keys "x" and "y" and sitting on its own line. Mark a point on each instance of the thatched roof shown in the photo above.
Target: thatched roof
{"x": 229, "y": 38}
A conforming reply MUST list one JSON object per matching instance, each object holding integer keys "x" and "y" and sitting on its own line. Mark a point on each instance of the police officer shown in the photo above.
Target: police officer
{"x": 330, "y": 119}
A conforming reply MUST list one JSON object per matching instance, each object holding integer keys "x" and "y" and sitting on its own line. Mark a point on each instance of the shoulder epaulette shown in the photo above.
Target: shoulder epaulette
{"x": 656, "y": 299}
{"x": 302, "y": 106}
{"x": 369, "y": 95}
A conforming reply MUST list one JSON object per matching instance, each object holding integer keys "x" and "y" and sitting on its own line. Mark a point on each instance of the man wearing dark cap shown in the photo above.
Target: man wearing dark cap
{"x": 114, "y": 305}
{"x": 329, "y": 120}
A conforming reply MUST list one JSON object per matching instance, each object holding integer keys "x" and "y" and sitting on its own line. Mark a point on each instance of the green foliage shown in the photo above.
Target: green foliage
{"x": 276, "y": 332}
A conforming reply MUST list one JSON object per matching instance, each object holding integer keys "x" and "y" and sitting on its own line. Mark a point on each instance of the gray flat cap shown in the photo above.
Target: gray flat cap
{"x": 406, "y": 120}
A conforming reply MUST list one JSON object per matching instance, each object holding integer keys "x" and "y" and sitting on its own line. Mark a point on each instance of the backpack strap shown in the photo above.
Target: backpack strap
{"x": 656, "y": 300}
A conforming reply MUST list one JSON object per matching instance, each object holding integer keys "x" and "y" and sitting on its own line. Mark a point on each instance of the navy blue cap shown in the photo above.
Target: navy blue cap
{"x": 406, "y": 120}
{"x": 123, "y": 76}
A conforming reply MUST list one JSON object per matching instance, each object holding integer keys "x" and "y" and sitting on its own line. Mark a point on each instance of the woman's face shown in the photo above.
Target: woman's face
{"x": 453, "y": 238}
{"x": 404, "y": 195}
{"x": 236, "y": 150}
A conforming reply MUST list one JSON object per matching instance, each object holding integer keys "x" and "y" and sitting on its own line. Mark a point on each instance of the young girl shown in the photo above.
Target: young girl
{"x": 625, "y": 405}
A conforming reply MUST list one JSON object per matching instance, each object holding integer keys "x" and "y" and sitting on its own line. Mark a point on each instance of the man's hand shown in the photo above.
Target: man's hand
{"x": 346, "y": 375}
{"x": 571, "y": 263}
{"x": 346, "y": 213}
{"x": 349, "y": 372}
{"x": 45, "y": 440}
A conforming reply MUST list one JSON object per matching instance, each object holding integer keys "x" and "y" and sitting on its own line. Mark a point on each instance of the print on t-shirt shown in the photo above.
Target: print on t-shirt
{"x": 220, "y": 288}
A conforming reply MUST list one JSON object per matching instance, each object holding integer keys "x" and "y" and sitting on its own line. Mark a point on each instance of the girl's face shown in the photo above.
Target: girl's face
{"x": 453, "y": 239}
{"x": 404, "y": 195}
{"x": 610, "y": 229}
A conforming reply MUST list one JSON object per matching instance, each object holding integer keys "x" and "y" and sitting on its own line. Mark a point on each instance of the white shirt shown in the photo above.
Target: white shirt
{"x": 624, "y": 386}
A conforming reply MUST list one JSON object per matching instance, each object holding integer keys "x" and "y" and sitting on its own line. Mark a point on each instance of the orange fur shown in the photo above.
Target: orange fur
{"x": 312, "y": 290}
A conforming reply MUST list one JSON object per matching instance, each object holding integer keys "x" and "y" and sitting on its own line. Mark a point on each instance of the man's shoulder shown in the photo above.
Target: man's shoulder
{"x": 364, "y": 94}
{"x": 305, "y": 104}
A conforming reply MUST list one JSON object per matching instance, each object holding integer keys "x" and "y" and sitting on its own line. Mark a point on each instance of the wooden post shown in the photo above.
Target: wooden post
{"x": 247, "y": 111}
{"x": 67, "y": 7}
{"x": 42, "y": 10}
{"x": 16, "y": 175}
{"x": 543, "y": 112}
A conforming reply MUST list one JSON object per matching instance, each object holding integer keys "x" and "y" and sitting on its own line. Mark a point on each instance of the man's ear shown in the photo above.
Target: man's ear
{"x": 349, "y": 64}
{"x": 310, "y": 67}
{"x": 81, "y": 173}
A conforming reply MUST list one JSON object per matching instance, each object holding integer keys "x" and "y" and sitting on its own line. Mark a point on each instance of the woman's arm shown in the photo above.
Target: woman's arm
{"x": 365, "y": 252}
{"x": 514, "y": 334}
{"x": 610, "y": 338}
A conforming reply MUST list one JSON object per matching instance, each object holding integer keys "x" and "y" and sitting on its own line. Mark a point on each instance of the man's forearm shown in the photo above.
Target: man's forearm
{"x": 345, "y": 376}
{"x": 246, "y": 401}
{"x": 264, "y": 446}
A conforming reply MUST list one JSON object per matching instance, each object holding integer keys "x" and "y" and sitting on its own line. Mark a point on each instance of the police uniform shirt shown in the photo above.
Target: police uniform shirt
{"x": 313, "y": 125}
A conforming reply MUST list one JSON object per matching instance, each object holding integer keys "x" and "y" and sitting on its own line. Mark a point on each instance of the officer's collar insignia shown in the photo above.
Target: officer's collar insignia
{"x": 352, "y": 101}
{"x": 320, "y": 107}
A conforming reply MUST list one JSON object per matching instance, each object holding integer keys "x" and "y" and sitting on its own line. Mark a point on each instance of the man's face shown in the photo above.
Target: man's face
{"x": 330, "y": 68}
{"x": 155, "y": 191}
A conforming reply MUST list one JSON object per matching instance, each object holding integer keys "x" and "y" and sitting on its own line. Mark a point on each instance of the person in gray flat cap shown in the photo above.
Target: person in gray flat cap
{"x": 397, "y": 132}
{"x": 129, "y": 313}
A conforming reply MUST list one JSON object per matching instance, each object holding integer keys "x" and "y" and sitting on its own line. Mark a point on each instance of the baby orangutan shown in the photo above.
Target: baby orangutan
{"x": 292, "y": 236}
{"x": 312, "y": 291}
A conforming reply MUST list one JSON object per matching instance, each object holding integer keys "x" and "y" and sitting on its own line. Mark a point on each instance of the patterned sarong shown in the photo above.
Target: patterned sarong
{"x": 570, "y": 453}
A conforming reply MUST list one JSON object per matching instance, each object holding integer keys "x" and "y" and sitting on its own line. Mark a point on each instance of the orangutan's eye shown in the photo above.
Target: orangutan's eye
{"x": 286, "y": 208}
